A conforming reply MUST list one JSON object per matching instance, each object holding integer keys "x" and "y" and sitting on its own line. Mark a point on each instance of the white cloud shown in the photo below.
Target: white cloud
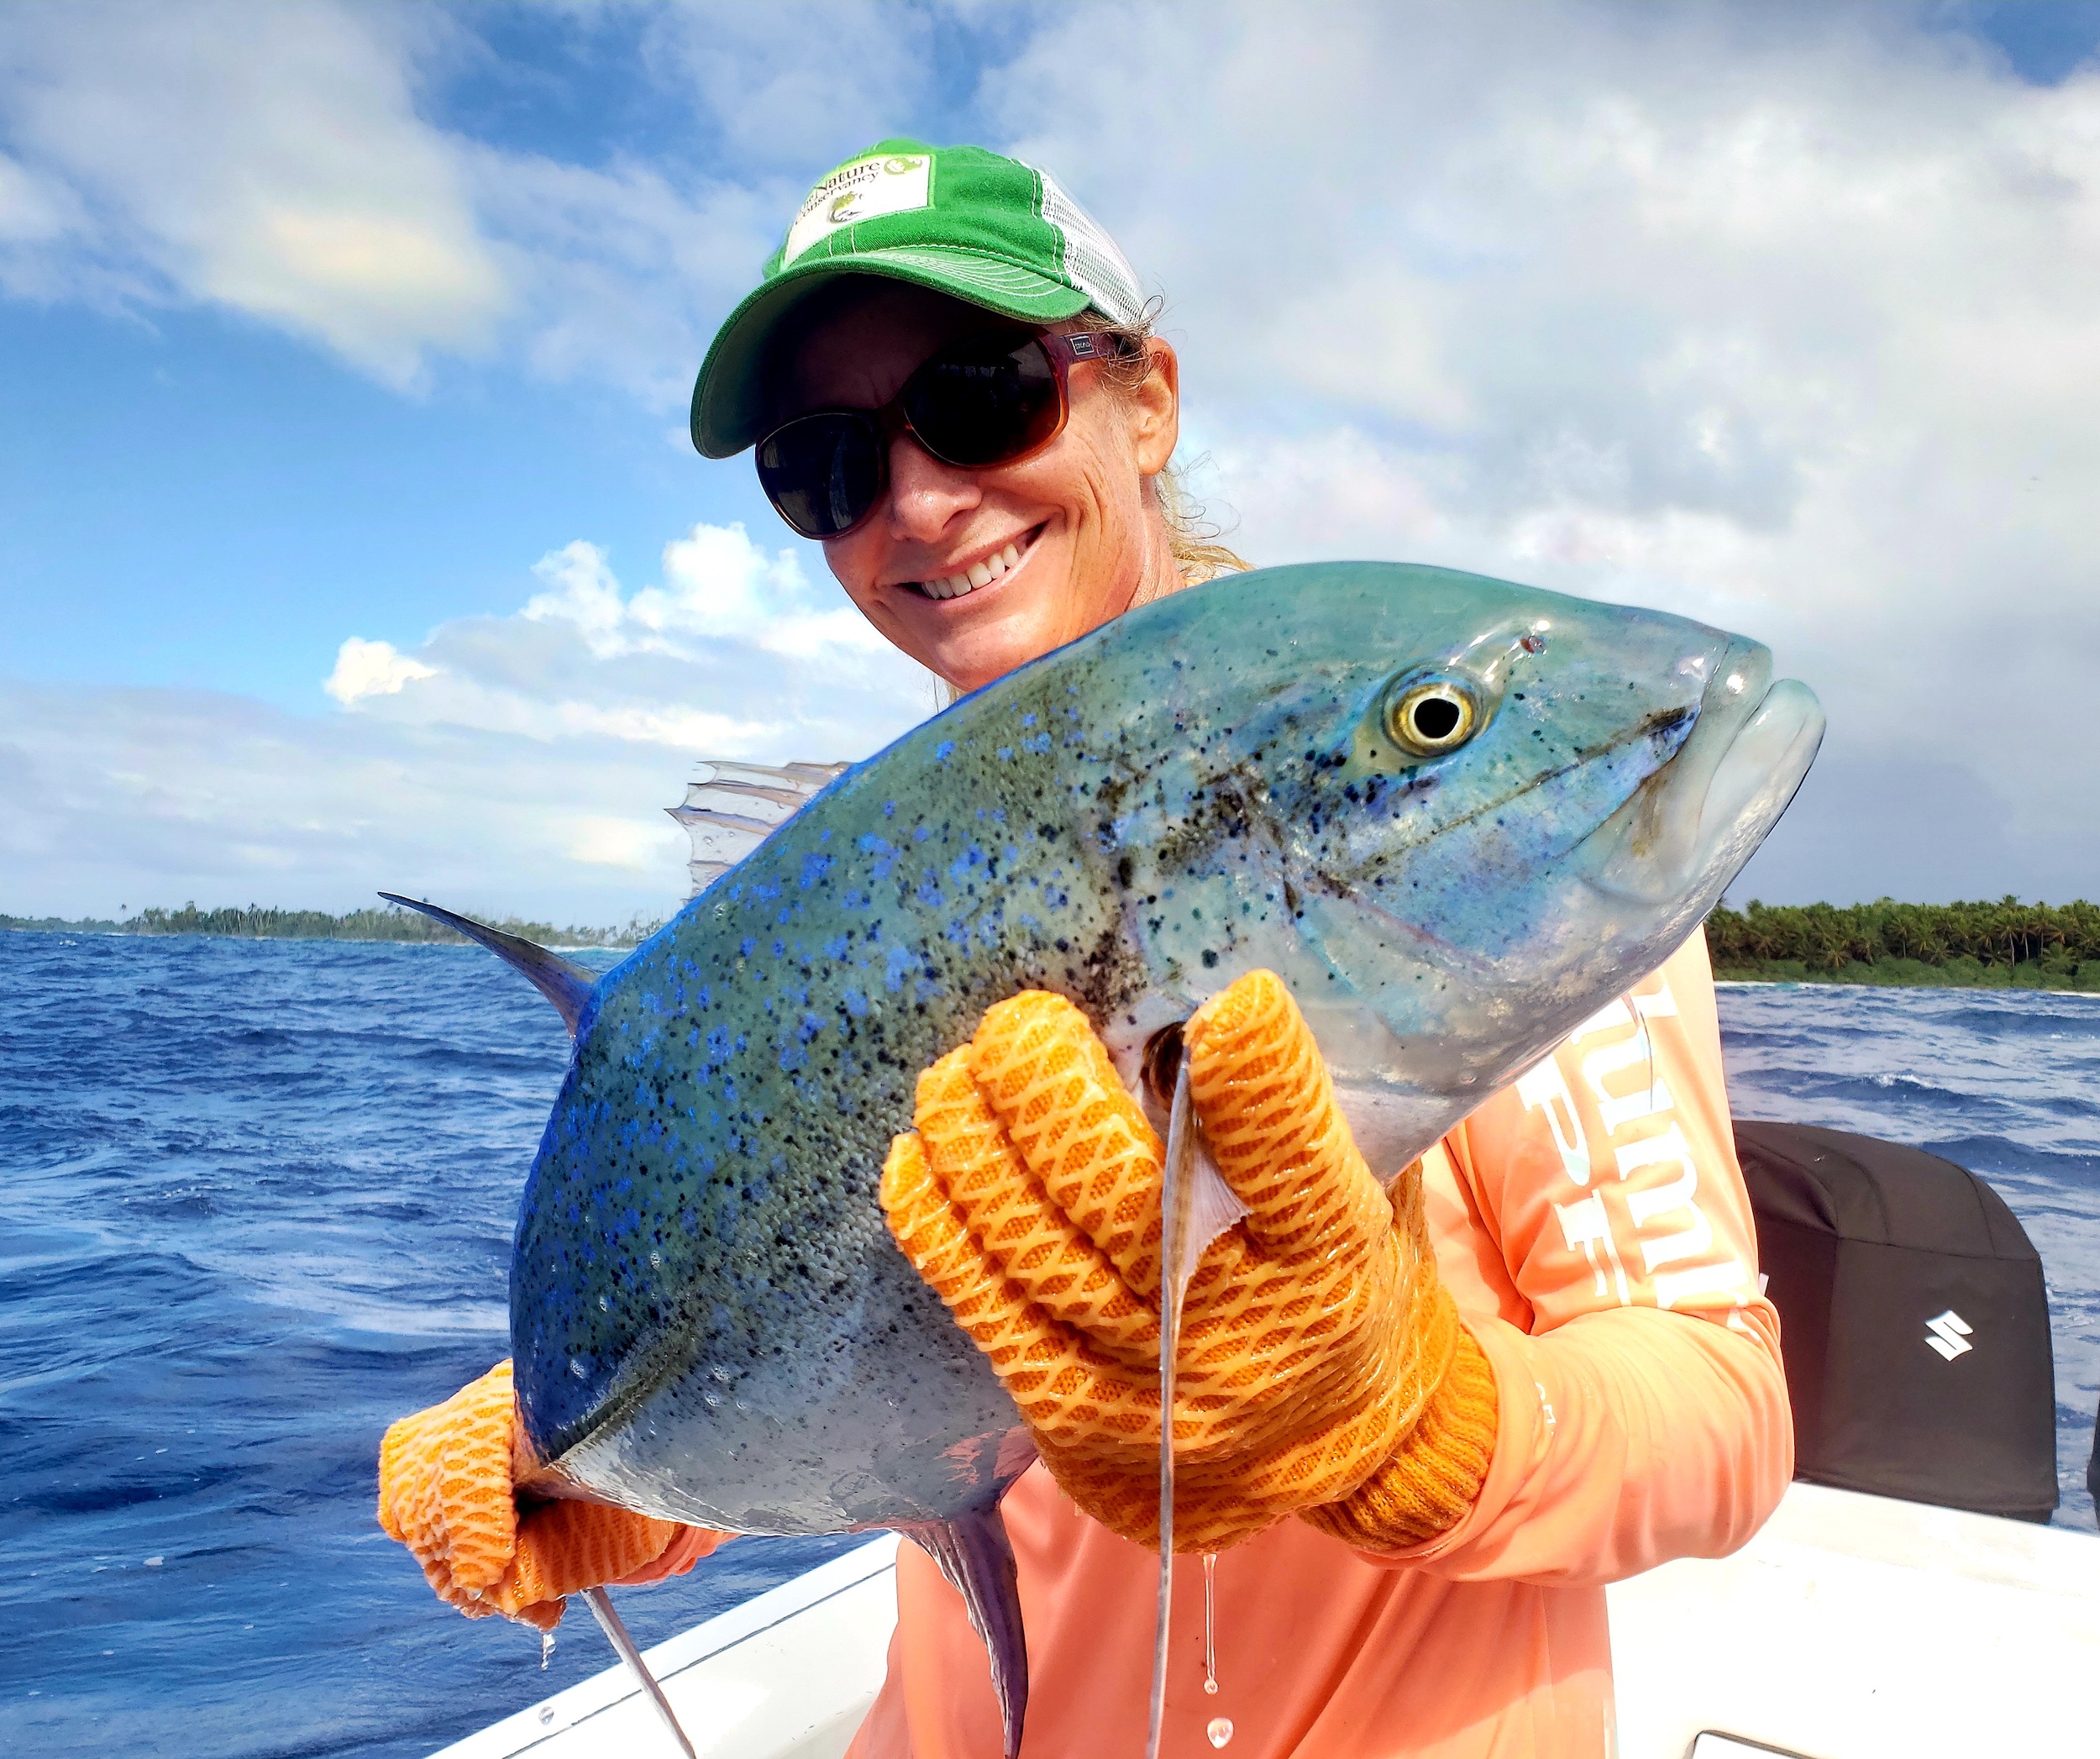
{"x": 157, "y": 795}
{"x": 506, "y": 763}
{"x": 619, "y": 272}
{"x": 795, "y": 85}
{"x": 275, "y": 160}
{"x": 268, "y": 159}
{"x": 718, "y": 585}
{"x": 1778, "y": 318}
{"x": 33, "y": 210}
{"x": 736, "y": 653}
{"x": 370, "y": 669}
{"x": 623, "y": 842}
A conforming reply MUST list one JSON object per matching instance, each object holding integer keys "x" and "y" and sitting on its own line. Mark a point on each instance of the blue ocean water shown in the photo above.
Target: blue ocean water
{"x": 256, "y": 1201}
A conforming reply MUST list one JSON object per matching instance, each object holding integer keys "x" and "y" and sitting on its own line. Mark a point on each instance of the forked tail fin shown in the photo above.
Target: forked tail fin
{"x": 566, "y": 985}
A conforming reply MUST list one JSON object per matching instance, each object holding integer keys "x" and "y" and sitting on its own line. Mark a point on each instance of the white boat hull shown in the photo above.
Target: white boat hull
{"x": 1851, "y": 1627}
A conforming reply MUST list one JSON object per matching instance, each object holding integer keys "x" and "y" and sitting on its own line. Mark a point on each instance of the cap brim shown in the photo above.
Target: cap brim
{"x": 728, "y": 410}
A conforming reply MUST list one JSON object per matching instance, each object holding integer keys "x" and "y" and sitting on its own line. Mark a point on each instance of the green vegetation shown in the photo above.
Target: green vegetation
{"x": 257, "y": 923}
{"x": 2006, "y": 945}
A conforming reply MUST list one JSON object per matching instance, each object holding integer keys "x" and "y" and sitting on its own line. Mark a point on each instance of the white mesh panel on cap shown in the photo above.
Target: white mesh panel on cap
{"x": 1092, "y": 262}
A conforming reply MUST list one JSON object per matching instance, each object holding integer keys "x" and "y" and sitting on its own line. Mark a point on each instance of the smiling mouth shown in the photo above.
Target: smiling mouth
{"x": 980, "y": 574}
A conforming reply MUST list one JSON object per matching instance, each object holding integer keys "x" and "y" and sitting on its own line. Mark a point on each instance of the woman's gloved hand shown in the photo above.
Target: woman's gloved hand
{"x": 1321, "y": 1362}
{"x": 445, "y": 1491}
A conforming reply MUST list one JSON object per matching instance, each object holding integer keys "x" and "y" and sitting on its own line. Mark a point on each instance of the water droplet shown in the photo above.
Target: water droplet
{"x": 546, "y": 1649}
{"x": 1221, "y": 1730}
{"x": 1210, "y": 1630}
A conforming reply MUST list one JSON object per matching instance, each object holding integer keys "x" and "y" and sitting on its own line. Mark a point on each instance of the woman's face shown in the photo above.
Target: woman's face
{"x": 1071, "y": 537}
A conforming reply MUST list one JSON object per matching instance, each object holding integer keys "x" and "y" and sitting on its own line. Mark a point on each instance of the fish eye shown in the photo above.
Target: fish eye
{"x": 1427, "y": 720}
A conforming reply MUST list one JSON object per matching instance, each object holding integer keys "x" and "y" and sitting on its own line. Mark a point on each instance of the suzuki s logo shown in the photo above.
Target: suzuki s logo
{"x": 1949, "y": 1335}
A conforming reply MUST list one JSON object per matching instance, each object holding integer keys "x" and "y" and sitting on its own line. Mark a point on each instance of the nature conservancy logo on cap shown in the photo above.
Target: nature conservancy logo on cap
{"x": 974, "y": 225}
{"x": 892, "y": 183}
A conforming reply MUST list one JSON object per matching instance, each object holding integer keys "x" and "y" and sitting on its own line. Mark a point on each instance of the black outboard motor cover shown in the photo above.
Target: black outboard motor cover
{"x": 1913, "y": 1322}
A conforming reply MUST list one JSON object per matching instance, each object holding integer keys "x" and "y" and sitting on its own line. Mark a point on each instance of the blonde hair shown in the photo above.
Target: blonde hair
{"x": 1197, "y": 553}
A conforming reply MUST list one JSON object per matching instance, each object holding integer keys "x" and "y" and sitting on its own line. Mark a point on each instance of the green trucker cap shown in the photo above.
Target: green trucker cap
{"x": 959, "y": 220}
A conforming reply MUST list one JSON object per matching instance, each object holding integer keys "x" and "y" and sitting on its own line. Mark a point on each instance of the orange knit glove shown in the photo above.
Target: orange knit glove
{"x": 445, "y": 1491}
{"x": 1315, "y": 1334}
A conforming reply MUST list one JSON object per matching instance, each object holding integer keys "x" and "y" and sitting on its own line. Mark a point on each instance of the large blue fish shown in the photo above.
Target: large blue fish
{"x": 1457, "y": 816}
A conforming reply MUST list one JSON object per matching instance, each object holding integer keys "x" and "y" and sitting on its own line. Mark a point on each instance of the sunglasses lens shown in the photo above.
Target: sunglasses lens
{"x": 822, "y": 472}
{"x": 985, "y": 400}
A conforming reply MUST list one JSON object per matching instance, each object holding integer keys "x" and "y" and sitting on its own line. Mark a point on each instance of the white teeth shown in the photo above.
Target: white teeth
{"x": 979, "y": 574}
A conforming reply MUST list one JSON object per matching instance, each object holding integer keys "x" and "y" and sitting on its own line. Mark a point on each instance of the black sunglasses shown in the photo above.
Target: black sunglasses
{"x": 992, "y": 398}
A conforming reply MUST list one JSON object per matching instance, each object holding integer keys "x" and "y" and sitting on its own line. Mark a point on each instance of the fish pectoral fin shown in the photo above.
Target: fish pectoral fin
{"x": 978, "y": 1559}
{"x": 565, "y": 984}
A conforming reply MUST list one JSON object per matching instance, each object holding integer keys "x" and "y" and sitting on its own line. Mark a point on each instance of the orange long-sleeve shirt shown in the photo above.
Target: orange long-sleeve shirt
{"x": 1592, "y": 1223}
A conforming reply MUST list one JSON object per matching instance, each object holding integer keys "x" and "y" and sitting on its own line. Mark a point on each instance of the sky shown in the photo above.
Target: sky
{"x": 350, "y": 538}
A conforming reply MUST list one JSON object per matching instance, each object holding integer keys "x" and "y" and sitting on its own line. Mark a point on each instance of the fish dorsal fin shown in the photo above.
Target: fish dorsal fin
{"x": 565, "y": 984}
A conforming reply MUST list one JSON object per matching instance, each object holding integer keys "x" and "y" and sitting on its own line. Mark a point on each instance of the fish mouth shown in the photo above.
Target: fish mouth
{"x": 1690, "y": 826}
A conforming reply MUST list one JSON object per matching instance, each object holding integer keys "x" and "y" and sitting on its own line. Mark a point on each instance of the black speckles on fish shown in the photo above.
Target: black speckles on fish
{"x": 709, "y": 1319}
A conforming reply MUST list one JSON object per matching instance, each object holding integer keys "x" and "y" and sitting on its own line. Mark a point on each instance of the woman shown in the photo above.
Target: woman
{"x": 1545, "y": 1366}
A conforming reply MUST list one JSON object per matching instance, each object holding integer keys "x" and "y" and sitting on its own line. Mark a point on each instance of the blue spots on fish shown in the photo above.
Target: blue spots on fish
{"x": 790, "y": 1012}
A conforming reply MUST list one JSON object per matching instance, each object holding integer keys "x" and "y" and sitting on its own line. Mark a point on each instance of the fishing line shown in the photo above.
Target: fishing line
{"x": 1173, "y": 1287}
{"x": 1196, "y": 1206}
{"x": 600, "y": 1604}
